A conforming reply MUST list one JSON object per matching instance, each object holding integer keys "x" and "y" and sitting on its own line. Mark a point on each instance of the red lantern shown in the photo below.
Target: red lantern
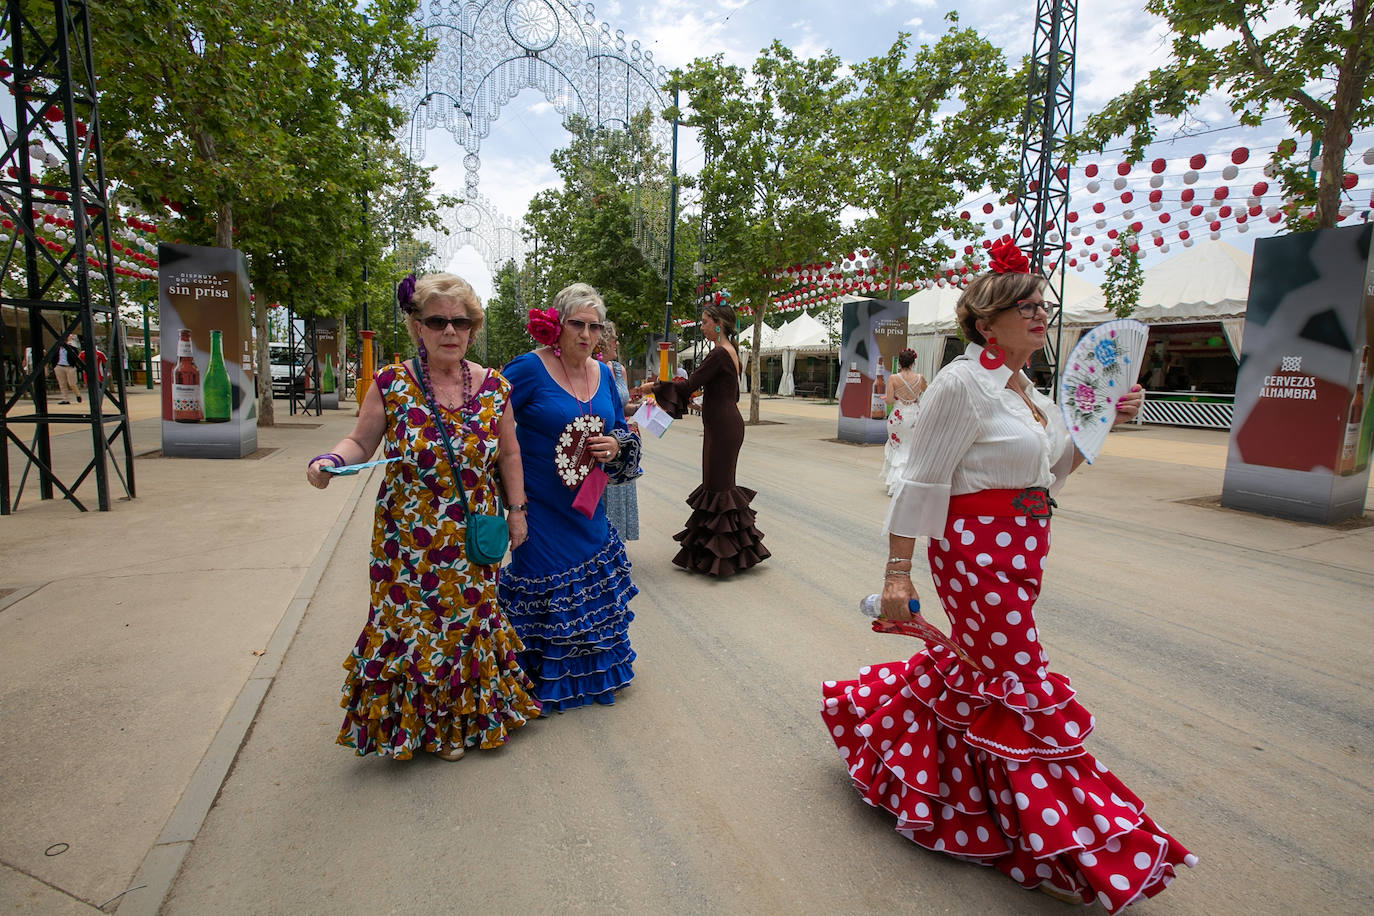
{"x": 1240, "y": 155}
{"x": 1116, "y": 252}
{"x": 1156, "y": 196}
{"x": 1033, "y": 185}
{"x": 1195, "y": 210}
{"x": 1112, "y": 233}
{"x": 1287, "y": 148}
{"x": 1090, "y": 170}
{"x": 1183, "y": 234}
{"x": 1123, "y": 169}
{"x": 1073, "y": 216}
{"x": 964, "y": 215}
{"x": 1224, "y": 212}
{"x": 1026, "y": 232}
{"x": 1088, "y": 240}
{"x": 1163, "y": 217}
{"x": 1220, "y": 193}
{"x": 1062, "y": 173}
{"x": 1099, "y": 207}
{"x": 1215, "y": 226}
{"x": 1186, "y": 195}
{"x": 1158, "y": 166}
{"x": 1127, "y": 197}
{"x": 1256, "y": 210}
{"x": 1350, "y": 180}
{"x": 1260, "y": 188}
{"x": 1158, "y": 242}
{"x": 1197, "y": 162}
{"x": 987, "y": 208}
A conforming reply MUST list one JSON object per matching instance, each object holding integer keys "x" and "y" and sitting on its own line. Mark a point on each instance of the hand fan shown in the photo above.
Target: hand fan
{"x": 1100, "y": 370}
{"x": 922, "y": 629}
{"x": 572, "y": 455}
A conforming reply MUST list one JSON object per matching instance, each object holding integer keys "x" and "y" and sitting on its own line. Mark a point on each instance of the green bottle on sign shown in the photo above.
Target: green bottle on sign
{"x": 217, "y": 395}
{"x": 327, "y": 376}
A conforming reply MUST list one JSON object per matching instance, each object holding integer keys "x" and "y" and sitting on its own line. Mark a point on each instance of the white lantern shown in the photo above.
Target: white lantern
{"x": 1094, "y": 186}
{"x": 1120, "y": 183}
{"x": 1156, "y": 181}
{"x": 1230, "y": 172}
{"x": 1190, "y": 177}
{"x": 1128, "y": 213}
{"x": 1368, "y": 157}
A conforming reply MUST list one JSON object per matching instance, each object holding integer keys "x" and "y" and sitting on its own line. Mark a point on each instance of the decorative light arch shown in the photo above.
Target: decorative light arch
{"x": 491, "y": 50}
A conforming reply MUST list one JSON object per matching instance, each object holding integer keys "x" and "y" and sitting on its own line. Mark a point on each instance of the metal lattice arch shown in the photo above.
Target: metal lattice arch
{"x": 478, "y": 223}
{"x": 489, "y": 51}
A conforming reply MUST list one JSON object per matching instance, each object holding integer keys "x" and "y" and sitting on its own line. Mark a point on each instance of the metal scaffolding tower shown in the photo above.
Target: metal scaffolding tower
{"x": 1042, "y": 202}
{"x": 61, "y": 281}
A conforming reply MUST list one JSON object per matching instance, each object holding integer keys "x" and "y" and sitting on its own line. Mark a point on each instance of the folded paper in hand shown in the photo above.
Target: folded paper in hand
{"x": 653, "y": 418}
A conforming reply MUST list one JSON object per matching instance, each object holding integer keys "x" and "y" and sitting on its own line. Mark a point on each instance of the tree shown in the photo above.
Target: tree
{"x": 1316, "y": 69}
{"x": 506, "y": 315}
{"x": 1121, "y": 288}
{"x": 925, "y": 130}
{"x": 776, "y": 172}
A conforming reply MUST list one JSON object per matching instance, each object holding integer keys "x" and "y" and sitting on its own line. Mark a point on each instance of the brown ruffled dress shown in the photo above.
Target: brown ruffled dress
{"x": 720, "y": 538}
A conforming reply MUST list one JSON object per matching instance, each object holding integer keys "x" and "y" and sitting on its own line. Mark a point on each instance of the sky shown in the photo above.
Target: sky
{"x": 1117, "y": 44}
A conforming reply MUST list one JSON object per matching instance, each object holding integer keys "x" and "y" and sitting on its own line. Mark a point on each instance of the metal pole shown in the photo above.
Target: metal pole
{"x": 147, "y": 346}
{"x": 672, "y": 255}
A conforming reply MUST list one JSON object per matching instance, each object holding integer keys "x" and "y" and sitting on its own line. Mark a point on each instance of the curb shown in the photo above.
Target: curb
{"x": 152, "y": 883}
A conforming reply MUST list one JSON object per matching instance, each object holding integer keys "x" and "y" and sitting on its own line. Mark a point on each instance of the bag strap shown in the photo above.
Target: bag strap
{"x": 448, "y": 446}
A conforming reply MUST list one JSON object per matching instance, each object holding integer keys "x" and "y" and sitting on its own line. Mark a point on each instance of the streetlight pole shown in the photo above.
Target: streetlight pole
{"x": 672, "y": 254}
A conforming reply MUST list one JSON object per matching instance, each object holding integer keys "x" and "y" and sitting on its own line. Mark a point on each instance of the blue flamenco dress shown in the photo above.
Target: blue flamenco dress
{"x": 567, "y": 589}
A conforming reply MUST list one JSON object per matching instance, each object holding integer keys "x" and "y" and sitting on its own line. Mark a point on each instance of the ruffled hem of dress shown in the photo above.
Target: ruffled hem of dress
{"x": 720, "y": 538}
{"x": 583, "y": 680}
{"x": 392, "y": 710}
{"x": 953, "y": 794}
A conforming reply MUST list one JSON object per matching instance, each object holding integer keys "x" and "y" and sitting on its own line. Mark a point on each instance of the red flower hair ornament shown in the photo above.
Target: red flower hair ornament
{"x": 544, "y": 326}
{"x": 1005, "y": 257}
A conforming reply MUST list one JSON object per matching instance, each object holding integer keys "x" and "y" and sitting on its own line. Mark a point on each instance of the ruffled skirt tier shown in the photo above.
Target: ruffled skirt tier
{"x": 575, "y": 627}
{"x": 985, "y": 762}
{"x": 720, "y": 538}
{"x": 396, "y": 703}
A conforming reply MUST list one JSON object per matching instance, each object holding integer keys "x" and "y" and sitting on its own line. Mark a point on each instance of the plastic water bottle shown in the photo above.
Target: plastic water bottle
{"x": 871, "y": 606}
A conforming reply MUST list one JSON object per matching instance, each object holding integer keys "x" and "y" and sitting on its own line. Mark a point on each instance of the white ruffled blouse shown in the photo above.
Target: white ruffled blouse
{"x": 974, "y": 433}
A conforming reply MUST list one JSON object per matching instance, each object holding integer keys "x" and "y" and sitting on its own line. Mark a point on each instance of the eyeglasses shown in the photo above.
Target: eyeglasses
{"x": 1027, "y": 308}
{"x": 439, "y": 322}
{"x": 578, "y": 325}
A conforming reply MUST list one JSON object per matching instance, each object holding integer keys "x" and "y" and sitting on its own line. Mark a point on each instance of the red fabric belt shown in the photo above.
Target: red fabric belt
{"x": 1032, "y": 502}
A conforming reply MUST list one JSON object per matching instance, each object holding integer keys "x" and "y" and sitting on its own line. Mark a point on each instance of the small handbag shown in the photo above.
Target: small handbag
{"x": 487, "y": 535}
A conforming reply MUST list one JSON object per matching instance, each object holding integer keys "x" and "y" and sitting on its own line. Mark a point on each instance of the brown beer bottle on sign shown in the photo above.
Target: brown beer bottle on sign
{"x": 186, "y": 404}
{"x": 1351, "y": 443}
{"x": 878, "y": 409}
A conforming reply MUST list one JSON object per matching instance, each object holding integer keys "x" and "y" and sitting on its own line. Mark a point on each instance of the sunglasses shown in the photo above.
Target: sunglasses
{"x": 578, "y": 325}
{"x": 1027, "y": 308}
{"x": 439, "y": 322}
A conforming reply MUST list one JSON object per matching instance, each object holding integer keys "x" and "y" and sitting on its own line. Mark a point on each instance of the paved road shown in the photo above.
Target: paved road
{"x": 1226, "y": 656}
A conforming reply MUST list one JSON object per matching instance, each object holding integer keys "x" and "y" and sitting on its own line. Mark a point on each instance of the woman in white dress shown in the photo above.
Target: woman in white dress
{"x": 904, "y": 390}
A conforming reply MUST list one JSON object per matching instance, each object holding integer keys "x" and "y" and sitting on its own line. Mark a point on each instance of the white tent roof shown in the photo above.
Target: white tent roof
{"x": 803, "y": 333}
{"x": 931, "y": 311}
{"x": 1207, "y": 282}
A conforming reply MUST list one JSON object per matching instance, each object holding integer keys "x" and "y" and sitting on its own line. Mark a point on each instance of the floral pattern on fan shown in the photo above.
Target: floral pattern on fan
{"x": 573, "y": 458}
{"x": 1100, "y": 371}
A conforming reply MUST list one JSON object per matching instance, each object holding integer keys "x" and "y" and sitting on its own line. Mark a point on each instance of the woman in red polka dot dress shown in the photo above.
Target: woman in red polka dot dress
{"x": 981, "y": 756}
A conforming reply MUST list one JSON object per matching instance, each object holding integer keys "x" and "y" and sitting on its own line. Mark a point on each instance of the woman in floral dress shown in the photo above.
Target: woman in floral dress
{"x": 436, "y": 666}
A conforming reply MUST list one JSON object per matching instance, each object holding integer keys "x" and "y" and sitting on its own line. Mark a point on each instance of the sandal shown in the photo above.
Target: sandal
{"x": 450, "y": 752}
{"x": 1063, "y": 896}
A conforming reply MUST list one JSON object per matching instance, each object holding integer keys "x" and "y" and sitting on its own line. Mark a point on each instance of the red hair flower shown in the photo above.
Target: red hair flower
{"x": 544, "y": 326}
{"x": 1006, "y": 258}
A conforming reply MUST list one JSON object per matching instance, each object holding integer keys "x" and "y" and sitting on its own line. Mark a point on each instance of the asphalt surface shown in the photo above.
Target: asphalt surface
{"x": 1226, "y": 657}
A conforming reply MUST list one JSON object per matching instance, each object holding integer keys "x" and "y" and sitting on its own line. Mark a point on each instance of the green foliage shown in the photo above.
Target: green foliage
{"x": 506, "y": 315}
{"x": 584, "y": 231}
{"x": 777, "y": 170}
{"x": 1121, "y": 287}
{"x": 1315, "y": 69}
{"x": 924, "y": 130}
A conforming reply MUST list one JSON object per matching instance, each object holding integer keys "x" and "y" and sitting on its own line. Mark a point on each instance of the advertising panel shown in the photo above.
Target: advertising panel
{"x": 327, "y": 349}
{"x": 1300, "y": 439}
{"x": 208, "y": 405}
{"x": 873, "y": 332}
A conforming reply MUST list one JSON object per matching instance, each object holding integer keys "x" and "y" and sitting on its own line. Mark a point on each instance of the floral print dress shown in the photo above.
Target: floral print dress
{"x": 436, "y": 651}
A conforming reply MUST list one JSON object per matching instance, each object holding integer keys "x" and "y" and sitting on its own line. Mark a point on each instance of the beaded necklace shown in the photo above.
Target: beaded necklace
{"x": 428, "y": 387}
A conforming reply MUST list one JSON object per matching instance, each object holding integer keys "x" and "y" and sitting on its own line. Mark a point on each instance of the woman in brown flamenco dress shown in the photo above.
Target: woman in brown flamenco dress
{"x": 720, "y": 538}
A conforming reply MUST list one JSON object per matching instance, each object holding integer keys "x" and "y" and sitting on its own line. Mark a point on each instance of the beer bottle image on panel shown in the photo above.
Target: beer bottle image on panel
{"x": 327, "y": 376}
{"x": 186, "y": 382}
{"x": 878, "y": 404}
{"x": 217, "y": 393}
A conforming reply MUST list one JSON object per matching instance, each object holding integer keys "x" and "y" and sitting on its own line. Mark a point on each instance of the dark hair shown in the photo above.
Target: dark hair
{"x": 988, "y": 294}
{"x": 906, "y": 358}
{"x": 724, "y": 314}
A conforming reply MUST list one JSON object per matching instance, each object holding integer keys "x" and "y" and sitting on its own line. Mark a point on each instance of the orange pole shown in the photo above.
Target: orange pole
{"x": 365, "y": 365}
{"x": 663, "y": 373}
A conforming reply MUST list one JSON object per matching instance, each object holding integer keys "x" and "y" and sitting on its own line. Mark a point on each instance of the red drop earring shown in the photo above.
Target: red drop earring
{"x": 993, "y": 356}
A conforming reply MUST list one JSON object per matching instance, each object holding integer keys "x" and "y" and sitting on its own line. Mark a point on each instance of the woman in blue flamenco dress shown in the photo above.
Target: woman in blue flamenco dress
{"x": 567, "y": 589}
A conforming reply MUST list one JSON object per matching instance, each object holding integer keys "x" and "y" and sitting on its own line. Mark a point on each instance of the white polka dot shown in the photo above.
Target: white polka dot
{"x": 999, "y": 639}
{"x": 949, "y": 742}
{"x": 1073, "y": 771}
{"x": 921, "y": 776}
{"x": 893, "y": 800}
{"x": 1125, "y": 824}
{"x": 1003, "y": 539}
{"x": 837, "y": 730}
{"x": 1022, "y": 801}
{"x": 1006, "y": 824}
{"x": 973, "y": 624}
{"x": 960, "y": 567}
{"x": 1120, "y": 883}
{"x": 1190, "y": 860}
{"x": 1142, "y": 860}
{"x": 983, "y": 834}
{"x": 904, "y": 751}
{"x": 958, "y": 524}
{"x": 1005, "y": 796}
{"x": 1113, "y": 845}
{"x": 1087, "y": 858}
{"x": 1031, "y": 634}
{"x": 1038, "y": 781}
{"x": 946, "y": 813}
{"x": 960, "y": 838}
{"x": 1084, "y": 835}
{"x": 968, "y": 640}
{"x": 962, "y": 709}
{"x": 985, "y": 519}
{"x": 1013, "y": 766}
{"x": 1024, "y": 596}
{"x": 924, "y": 680}
{"x": 1050, "y": 816}
{"x": 1103, "y": 899}
{"x": 865, "y": 729}
{"x": 884, "y": 748}
{"x": 939, "y": 563}
{"x": 1078, "y": 795}
{"x": 987, "y": 662}
{"x": 1117, "y": 800}
{"x": 1100, "y": 766}
{"x": 1003, "y": 578}
{"x": 955, "y": 585}
{"x": 887, "y": 722}
{"x": 1103, "y": 825}
{"x": 865, "y": 691}
{"x": 1032, "y": 700}
{"x": 972, "y": 579}
{"x": 1056, "y": 770}
{"x": 1018, "y": 562}
{"x": 1022, "y": 658}
{"x": 1014, "y": 617}
{"x": 922, "y": 809}
{"x": 844, "y": 752}
{"x": 1031, "y": 542}
{"x": 1017, "y": 875}
{"x": 993, "y": 599}
{"x": 1043, "y": 871}
{"x": 966, "y": 538}
{"x": 944, "y": 545}
{"x": 1035, "y": 841}
{"x": 983, "y": 559}
{"x": 899, "y": 773}
{"x": 975, "y": 793}
{"x": 1097, "y": 800}
{"x": 1020, "y": 521}
{"x": 908, "y": 715}
{"x": 1071, "y": 728}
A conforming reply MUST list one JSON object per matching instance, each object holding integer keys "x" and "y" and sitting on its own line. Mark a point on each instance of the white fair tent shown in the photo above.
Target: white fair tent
{"x": 931, "y": 319}
{"x": 1207, "y": 282}
{"x": 801, "y": 333}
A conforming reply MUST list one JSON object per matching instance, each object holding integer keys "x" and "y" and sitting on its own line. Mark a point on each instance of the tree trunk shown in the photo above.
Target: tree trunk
{"x": 756, "y": 366}
{"x": 266, "y": 411}
{"x": 224, "y": 225}
{"x": 1354, "y": 73}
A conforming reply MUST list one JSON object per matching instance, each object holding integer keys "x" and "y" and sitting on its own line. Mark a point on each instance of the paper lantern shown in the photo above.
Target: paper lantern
{"x": 1349, "y": 181}
{"x": 1229, "y": 173}
{"x": 1163, "y": 217}
{"x": 1186, "y": 195}
{"x": 987, "y": 208}
{"x": 1094, "y": 187}
{"x": 1123, "y": 168}
{"x": 1158, "y": 166}
{"x": 1119, "y": 184}
{"x": 1127, "y": 213}
{"x": 1197, "y": 162}
{"x": 1220, "y": 193}
{"x": 1190, "y": 177}
{"x": 1156, "y": 181}
{"x": 1127, "y": 197}
{"x": 1090, "y": 170}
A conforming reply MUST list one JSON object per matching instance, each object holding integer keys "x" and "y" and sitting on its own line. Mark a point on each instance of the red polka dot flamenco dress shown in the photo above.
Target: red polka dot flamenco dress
{"x": 987, "y": 763}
